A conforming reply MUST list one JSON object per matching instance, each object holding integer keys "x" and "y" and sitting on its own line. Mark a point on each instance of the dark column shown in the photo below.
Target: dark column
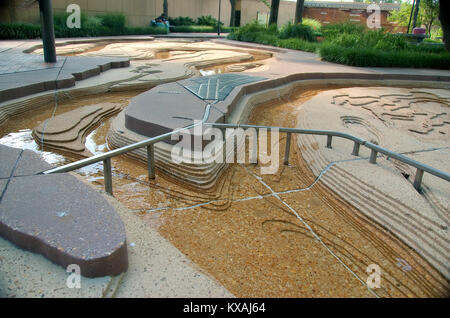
{"x": 47, "y": 30}
{"x": 299, "y": 11}
{"x": 218, "y": 20}
{"x": 416, "y": 12}
{"x": 273, "y": 18}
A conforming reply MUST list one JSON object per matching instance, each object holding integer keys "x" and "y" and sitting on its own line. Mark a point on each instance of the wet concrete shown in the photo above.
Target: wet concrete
{"x": 249, "y": 239}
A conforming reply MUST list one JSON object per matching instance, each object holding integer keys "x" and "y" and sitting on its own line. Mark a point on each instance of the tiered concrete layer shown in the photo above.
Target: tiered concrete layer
{"x": 67, "y": 132}
{"x": 384, "y": 191}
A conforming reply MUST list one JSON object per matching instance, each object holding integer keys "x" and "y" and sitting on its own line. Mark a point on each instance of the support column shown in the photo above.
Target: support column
{"x": 47, "y": 30}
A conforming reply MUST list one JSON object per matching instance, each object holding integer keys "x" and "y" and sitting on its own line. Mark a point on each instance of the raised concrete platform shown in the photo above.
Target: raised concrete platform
{"x": 44, "y": 214}
{"x": 23, "y": 74}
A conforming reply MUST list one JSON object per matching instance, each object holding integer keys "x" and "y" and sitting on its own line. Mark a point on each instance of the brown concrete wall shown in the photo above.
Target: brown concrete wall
{"x": 138, "y": 12}
{"x": 13, "y": 11}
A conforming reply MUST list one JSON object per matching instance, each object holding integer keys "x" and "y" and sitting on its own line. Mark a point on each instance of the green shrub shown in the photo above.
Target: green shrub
{"x": 297, "y": 31}
{"x": 313, "y": 24}
{"x": 207, "y": 20}
{"x": 331, "y": 31}
{"x": 19, "y": 31}
{"x": 199, "y": 29}
{"x": 113, "y": 21}
{"x": 181, "y": 21}
{"x": 371, "y": 57}
{"x": 249, "y": 31}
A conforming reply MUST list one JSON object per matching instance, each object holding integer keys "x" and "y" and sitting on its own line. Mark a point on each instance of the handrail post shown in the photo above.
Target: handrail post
{"x": 373, "y": 156}
{"x": 329, "y": 138}
{"x": 151, "y": 161}
{"x": 418, "y": 179}
{"x": 355, "y": 148}
{"x": 288, "y": 148}
{"x": 107, "y": 175}
{"x": 224, "y": 146}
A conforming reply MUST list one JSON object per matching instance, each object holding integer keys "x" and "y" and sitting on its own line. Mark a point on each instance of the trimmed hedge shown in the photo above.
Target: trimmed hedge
{"x": 199, "y": 29}
{"x": 349, "y": 44}
{"x": 104, "y": 25}
{"x": 370, "y": 57}
{"x": 19, "y": 31}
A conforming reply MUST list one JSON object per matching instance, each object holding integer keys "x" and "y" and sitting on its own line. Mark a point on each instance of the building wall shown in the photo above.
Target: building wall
{"x": 137, "y": 12}
{"x": 140, "y": 12}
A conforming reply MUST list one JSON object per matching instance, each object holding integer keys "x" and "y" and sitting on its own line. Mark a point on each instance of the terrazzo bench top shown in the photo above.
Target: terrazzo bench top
{"x": 58, "y": 216}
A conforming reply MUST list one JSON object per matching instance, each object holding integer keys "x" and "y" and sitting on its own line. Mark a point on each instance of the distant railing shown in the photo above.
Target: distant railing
{"x": 149, "y": 143}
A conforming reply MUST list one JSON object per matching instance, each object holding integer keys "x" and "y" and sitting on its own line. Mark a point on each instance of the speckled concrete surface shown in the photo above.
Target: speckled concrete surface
{"x": 422, "y": 280}
{"x": 402, "y": 120}
{"x": 42, "y": 213}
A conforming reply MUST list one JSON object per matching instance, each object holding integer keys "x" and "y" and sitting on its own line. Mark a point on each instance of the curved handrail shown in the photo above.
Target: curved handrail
{"x": 106, "y": 157}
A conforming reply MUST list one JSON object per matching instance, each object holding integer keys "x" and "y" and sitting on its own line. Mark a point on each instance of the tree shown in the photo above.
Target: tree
{"x": 274, "y": 11}
{"x": 299, "y": 11}
{"x": 444, "y": 18}
{"x": 233, "y": 13}
{"x": 430, "y": 13}
{"x": 166, "y": 9}
{"x": 416, "y": 13}
{"x": 401, "y": 17}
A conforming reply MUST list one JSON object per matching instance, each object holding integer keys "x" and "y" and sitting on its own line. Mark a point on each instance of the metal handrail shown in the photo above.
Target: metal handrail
{"x": 375, "y": 149}
{"x": 149, "y": 143}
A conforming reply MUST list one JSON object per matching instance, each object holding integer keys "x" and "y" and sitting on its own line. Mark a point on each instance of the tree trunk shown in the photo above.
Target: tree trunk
{"x": 299, "y": 11}
{"x": 444, "y": 18}
{"x": 416, "y": 13}
{"x": 233, "y": 13}
{"x": 274, "y": 11}
{"x": 166, "y": 9}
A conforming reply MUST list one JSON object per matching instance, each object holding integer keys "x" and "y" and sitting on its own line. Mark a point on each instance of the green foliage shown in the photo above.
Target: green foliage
{"x": 113, "y": 21}
{"x": 370, "y": 57}
{"x": 19, "y": 31}
{"x": 207, "y": 20}
{"x": 297, "y": 31}
{"x": 254, "y": 32}
{"x": 109, "y": 24}
{"x": 181, "y": 21}
{"x": 199, "y": 29}
{"x": 377, "y": 39}
{"x": 331, "y": 31}
{"x": 350, "y": 44}
{"x": 312, "y": 23}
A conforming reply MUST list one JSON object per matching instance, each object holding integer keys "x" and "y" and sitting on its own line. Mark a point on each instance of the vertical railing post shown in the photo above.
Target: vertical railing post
{"x": 373, "y": 156}
{"x": 151, "y": 161}
{"x": 329, "y": 138}
{"x": 107, "y": 175}
{"x": 418, "y": 179}
{"x": 288, "y": 148}
{"x": 224, "y": 146}
{"x": 355, "y": 149}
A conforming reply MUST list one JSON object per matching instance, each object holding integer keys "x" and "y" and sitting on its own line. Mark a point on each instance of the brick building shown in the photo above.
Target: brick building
{"x": 140, "y": 12}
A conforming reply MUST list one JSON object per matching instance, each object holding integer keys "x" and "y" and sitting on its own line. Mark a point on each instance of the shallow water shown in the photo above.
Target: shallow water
{"x": 237, "y": 232}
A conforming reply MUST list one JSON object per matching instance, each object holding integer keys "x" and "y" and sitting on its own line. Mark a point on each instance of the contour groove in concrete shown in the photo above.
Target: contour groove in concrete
{"x": 44, "y": 214}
